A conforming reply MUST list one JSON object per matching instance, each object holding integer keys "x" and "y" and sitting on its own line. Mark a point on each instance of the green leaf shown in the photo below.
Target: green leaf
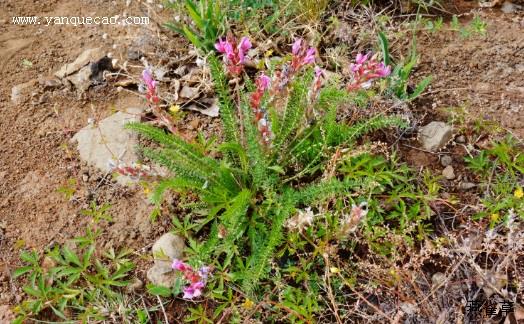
{"x": 420, "y": 88}
{"x": 193, "y": 13}
{"x": 193, "y": 38}
{"x": 71, "y": 256}
{"x": 158, "y": 290}
{"x": 20, "y": 271}
{"x": 384, "y": 46}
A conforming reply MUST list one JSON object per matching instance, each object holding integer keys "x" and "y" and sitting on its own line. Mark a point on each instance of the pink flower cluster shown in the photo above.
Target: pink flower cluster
{"x": 197, "y": 279}
{"x": 263, "y": 82}
{"x": 301, "y": 56}
{"x": 135, "y": 171}
{"x": 154, "y": 100}
{"x": 234, "y": 55}
{"x": 150, "y": 83}
{"x": 365, "y": 70}
{"x": 317, "y": 83}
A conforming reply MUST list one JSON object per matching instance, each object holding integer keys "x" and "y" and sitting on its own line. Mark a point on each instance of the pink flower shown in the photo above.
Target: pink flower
{"x": 317, "y": 83}
{"x": 310, "y": 56}
{"x": 245, "y": 44}
{"x": 263, "y": 82}
{"x": 365, "y": 69}
{"x": 361, "y": 59}
{"x": 180, "y": 266}
{"x": 234, "y": 56}
{"x": 383, "y": 70}
{"x": 318, "y": 72}
{"x": 295, "y": 48}
{"x": 193, "y": 290}
{"x": 148, "y": 80}
{"x": 204, "y": 272}
{"x": 301, "y": 55}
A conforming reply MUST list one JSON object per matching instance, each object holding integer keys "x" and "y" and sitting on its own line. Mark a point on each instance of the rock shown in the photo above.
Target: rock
{"x": 87, "y": 69}
{"x": 435, "y": 135}
{"x": 50, "y": 83}
{"x": 20, "y": 93}
{"x": 108, "y": 141}
{"x": 168, "y": 247}
{"x": 188, "y": 92}
{"x": 82, "y": 79}
{"x": 461, "y": 139}
{"x": 509, "y": 7}
{"x": 448, "y": 172}
{"x": 211, "y": 111}
{"x": 446, "y": 160}
{"x": 134, "y": 54}
{"x": 161, "y": 274}
{"x": 409, "y": 308}
{"x": 88, "y": 56}
{"x": 466, "y": 185}
{"x": 135, "y": 285}
{"x": 438, "y": 279}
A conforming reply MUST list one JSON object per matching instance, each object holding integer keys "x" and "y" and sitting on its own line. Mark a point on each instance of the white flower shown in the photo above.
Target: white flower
{"x": 301, "y": 220}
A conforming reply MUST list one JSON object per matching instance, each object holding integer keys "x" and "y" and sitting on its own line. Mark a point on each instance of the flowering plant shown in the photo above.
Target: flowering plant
{"x": 366, "y": 69}
{"x": 154, "y": 101}
{"x": 234, "y": 55}
{"x": 196, "y": 278}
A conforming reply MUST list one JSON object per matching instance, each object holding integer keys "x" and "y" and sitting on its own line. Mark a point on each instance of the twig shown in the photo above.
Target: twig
{"x": 163, "y": 309}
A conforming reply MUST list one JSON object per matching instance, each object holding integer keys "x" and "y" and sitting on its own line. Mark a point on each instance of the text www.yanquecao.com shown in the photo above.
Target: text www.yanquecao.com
{"x": 79, "y": 21}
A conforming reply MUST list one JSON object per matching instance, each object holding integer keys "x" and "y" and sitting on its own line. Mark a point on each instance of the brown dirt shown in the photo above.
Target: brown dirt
{"x": 483, "y": 74}
{"x": 36, "y": 156}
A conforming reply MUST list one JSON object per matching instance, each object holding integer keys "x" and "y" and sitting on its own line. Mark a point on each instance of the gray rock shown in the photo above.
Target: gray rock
{"x": 446, "y": 160}
{"x": 448, "y": 172}
{"x": 509, "y": 7}
{"x": 435, "y": 135}
{"x": 188, "y": 92}
{"x": 135, "y": 285}
{"x": 168, "y": 247}
{"x": 20, "y": 93}
{"x": 161, "y": 274}
{"x": 82, "y": 79}
{"x": 134, "y": 54}
{"x": 438, "y": 279}
{"x": 88, "y": 56}
{"x": 109, "y": 141}
{"x": 466, "y": 185}
{"x": 461, "y": 139}
{"x": 50, "y": 83}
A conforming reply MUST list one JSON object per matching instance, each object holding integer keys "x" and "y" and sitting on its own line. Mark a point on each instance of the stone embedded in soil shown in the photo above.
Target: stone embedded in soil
{"x": 188, "y": 92}
{"x": 461, "y": 139}
{"x": 509, "y": 7}
{"x": 466, "y": 185}
{"x": 135, "y": 285}
{"x": 22, "y": 92}
{"x": 82, "y": 79}
{"x": 435, "y": 135}
{"x": 50, "y": 83}
{"x": 87, "y": 69}
{"x": 108, "y": 140}
{"x": 448, "y": 172}
{"x": 446, "y": 160}
{"x": 88, "y": 56}
{"x": 161, "y": 274}
{"x": 169, "y": 246}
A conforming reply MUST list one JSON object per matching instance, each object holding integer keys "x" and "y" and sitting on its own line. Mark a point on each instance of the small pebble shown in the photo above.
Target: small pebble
{"x": 461, "y": 139}
{"x": 448, "y": 172}
{"x": 446, "y": 160}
